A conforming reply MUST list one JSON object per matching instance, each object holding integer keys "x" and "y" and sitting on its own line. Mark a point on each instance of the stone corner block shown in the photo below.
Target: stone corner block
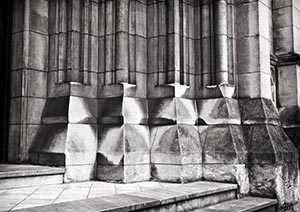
{"x": 123, "y": 151}
{"x": 176, "y": 153}
{"x": 218, "y": 111}
{"x": 258, "y": 111}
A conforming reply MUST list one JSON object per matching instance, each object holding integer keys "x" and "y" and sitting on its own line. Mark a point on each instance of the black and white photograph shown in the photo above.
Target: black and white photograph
{"x": 150, "y": 105}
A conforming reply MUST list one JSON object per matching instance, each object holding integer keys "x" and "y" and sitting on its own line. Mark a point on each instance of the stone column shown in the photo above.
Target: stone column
{"x": 67, "y": 135}
{"x": 173, "y": 40}
{"x": 123, "y": 139}
{"x": 287, "y": 49}
{"x": 122, "y": 33}
{"x": 273, "y": 159}
{"x": 206, "y": 45}
{"x": 253, "y": 50}
{"x": 221, "y": 41}
{"x": 29, "y": 59}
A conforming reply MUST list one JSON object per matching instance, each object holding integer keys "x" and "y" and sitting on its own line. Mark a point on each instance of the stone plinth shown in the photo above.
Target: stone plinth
{"x": 273, "y": 159}
{"x": 224, "y": 148}
{"x": 67, "y": 137}
{"x": 123, "y": 141}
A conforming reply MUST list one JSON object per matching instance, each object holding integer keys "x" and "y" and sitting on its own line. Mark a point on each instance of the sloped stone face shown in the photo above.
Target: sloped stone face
{"x": 258, "y": 111}
{"x": 218, "y": 111}
{"x": 289, "y": 115}
{"x": 123, "y": 153}
{"x": 273, "y": 158}
{"x": 224, "y": 144}
{"x": 225, "y": 155}
{"x": 176, "y": 153}
{"x": 273, "y": 163}
{"x": 162, "y": 111}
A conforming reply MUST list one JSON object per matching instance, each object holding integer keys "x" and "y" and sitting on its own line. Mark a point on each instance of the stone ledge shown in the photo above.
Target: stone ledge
{"x": 246, "y": 204}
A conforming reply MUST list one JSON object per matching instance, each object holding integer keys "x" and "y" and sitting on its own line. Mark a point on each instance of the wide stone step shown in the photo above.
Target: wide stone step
{"x": 184, "y": 197}
{"x": 246, "y": 204}
{"x": 23, "y": 175}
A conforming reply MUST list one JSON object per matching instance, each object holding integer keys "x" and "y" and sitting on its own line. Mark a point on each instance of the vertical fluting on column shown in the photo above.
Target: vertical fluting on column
{"x": 120, "y": 35}
{"x": 58, "y": 39}
{"x": 162, "y": 42}
{"x": 152, "y": 39}
{"x": 102, "y": 44}
{"x": 121, "y": 45}
{"x": 85, "y": 45}
{"x": 132, "y": 42}
{"x": 197, "y": 43}
{"x": 191, "y": 42}
{"x": 109, "y": 53}
{"x": 221, "y": 41}
{"x": 231, "y": 43}
{"x": 207, "y": 50}
{"x": 173, "y": 42}
{"x": 184, "y": 43}
{"x": 73, "y": 41}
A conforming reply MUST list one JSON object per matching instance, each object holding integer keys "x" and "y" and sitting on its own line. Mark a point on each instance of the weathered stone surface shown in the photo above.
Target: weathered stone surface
{"x": 178, "y": 150}
{"x": 79, "y": 173}
{"x": 49, "y": 139}
{"x": 289, "y": 116}
{"x": 82, "y": 110}
{"x": 268, "y": 144}
{"x": 258, "y": 111}
{"x": 294, "y": 135}
{"x": 39, "y": 16}
{"x": 225, "y": 145}
{"x": 186, "y": 111}
{"x": 218, "y": 111}
{"x": 281, "y": 181}
{"x": 225, "y": 155}
{"x": 135, "y": 110}
{"x": 135, "y": 90}
{"x": 273, "y": 159}
{"x": 234, "y": 173}
{"x": 123, "y": 149}
{"x": 162, "y": 111}
{"x": 288, "y": 83}
{"x": 244, "y": 204}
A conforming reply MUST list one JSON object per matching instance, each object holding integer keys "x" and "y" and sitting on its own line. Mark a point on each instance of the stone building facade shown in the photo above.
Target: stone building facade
{"x": 167, "y": 90}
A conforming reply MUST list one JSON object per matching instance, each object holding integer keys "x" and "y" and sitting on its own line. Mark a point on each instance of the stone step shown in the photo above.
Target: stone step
{"x": 184, "y": 197}
{"x": 246, "y": 204}
{"x": 23, "y": 175}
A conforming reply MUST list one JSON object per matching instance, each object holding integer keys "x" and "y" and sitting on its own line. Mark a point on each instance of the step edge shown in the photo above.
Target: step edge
{"x": 32, "y": 173}
{"x": 268, "y": 203}
{"x": 153, "y": 202}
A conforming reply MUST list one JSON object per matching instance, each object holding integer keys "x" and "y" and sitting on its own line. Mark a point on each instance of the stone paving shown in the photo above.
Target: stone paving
{"x": 27, "y": 197}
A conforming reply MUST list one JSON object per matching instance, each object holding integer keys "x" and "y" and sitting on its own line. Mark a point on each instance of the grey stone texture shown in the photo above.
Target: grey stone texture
{"x": 178, "y": 91}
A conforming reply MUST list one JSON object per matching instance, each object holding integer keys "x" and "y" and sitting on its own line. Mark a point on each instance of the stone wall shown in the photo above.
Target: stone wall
{"x": 132, "y": 90}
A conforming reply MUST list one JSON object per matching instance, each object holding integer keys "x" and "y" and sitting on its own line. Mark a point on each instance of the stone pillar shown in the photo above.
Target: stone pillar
{"x": 273, "y": 161}
{"x": 122, "y": 33}
{"x": 216, "y": 44}
{"x": 67, "y": 135}
{"x": 207, "y": 50}
{"x": 287, "y": 49}
{"x": 173, "y": 40}
{"x": 28, "y": 75}
{"x": 221, "y": 42}
{"x": 225, "y": 154}
{"x": 123, "y": 135}
{"x": 175, "y": 151}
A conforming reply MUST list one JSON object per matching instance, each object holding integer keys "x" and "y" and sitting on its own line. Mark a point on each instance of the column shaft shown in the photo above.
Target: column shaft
{"x": 221, "y": 45}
